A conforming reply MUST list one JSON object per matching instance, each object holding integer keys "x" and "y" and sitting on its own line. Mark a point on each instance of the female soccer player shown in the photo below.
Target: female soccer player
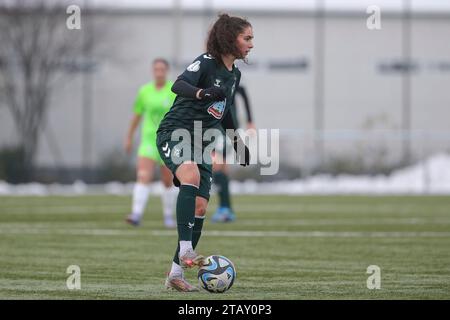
{"x": 153, "y": 101}
{"x": 205, "y": 91}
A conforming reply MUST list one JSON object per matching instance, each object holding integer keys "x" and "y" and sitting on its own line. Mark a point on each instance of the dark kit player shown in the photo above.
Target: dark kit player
{"x": 205, "y": 92}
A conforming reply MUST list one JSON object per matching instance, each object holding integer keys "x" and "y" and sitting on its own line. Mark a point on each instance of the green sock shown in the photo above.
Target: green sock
{"x": 196, "y": 233}
{"x": 186, "y": 211}
{"x": 222, "y": 181}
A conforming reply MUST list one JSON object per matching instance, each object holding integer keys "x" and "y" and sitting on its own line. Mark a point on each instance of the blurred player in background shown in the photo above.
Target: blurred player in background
{"x": 205, "y": 92}
{"x": 224, "y": 212}
{"x": 153, "y": 101}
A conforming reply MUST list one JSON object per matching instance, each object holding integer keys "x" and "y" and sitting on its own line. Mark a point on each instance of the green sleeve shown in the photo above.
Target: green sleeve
{"x": 139, "y": 103}
{"x": 172, "y": 95}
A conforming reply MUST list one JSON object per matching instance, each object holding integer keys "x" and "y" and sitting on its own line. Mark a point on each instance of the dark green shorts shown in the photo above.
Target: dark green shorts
{"x": 171, "y": 153}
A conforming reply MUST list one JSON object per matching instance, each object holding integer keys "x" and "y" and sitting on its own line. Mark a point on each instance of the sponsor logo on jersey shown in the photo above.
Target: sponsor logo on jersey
{"x": 217, "y": 83}
{"x": 208, "y": 56}
{"x": 217, "y": 109}
{"x": 194, "y": 67}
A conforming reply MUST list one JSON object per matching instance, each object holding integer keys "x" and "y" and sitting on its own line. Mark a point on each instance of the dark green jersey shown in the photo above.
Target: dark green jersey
{"x": 203, "y": 73}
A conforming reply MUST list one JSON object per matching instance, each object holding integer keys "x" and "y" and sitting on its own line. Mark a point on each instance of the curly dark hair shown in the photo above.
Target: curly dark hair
{"x": 223, "y": 34}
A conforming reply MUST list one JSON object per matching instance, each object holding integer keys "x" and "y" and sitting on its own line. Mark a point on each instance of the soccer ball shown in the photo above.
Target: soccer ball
{"x": 217, "y": 274}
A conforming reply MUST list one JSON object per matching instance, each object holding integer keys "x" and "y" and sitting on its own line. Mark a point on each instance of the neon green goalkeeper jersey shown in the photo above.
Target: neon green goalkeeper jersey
{"x": 152, "y": 105}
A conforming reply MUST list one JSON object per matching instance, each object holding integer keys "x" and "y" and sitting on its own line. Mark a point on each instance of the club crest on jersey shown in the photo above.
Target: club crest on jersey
{"x": 217, "y": 83}
{"x": 217, "y": 109}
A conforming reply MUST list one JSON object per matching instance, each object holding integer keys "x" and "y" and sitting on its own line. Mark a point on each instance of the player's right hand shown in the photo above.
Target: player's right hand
{"x": 212, "y": 94}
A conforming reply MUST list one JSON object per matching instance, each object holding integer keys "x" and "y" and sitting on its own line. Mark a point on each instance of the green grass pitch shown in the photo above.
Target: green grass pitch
{"x": 284, "y": 247}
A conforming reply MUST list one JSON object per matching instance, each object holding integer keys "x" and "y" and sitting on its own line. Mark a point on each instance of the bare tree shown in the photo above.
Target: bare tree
{"x": 36, "y": 51}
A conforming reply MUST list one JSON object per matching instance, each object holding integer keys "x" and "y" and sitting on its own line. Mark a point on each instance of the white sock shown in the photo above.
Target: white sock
{"x": 185, "y": 246}
{"x": 169, "y": 199}
{"x": 176, "y": 269}
{"x": 140, "y": 197}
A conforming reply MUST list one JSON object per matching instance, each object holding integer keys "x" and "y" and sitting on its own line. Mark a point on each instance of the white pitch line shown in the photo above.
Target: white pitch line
{"x": 339, "y": 209}
{"x": 95, "y": 209}
{"x": 238, "y": 233}
{"x": 255, "y": 208}
{"x": 344, "y": 221}
{"x": 275, "y": 223}
{"x": 326, "y": 234}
